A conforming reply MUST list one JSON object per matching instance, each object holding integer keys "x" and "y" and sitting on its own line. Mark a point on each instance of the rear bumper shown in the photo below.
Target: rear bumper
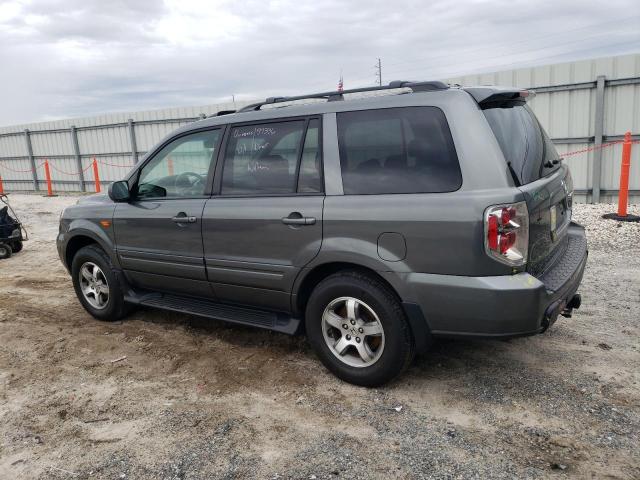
{"x": 499, "y": 306}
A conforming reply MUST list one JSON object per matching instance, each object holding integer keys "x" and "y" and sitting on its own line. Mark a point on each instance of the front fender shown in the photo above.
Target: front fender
{"x": 86, "y": 228}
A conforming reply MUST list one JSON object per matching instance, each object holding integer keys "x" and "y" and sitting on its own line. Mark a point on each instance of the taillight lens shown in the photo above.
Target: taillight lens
{"x": 568, "y": 182}
{"x": 506, "y": 231}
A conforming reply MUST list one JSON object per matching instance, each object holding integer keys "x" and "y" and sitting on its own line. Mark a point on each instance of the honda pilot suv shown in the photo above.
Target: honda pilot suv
{"x": 371, "y": 222}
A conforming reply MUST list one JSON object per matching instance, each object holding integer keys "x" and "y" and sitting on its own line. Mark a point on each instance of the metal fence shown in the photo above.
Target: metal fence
{"x": 70, "y": 152}
{"x": 586, "y": 120}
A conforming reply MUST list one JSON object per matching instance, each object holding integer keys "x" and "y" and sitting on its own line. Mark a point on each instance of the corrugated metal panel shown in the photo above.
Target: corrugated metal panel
{"x": 104, "y": 140}
{"x": 61, "y": 168}
{"x": 580, "y": 165}
{"x": 147, "y": 135}
{"x": 16, "y": 169}
{"x": 52, "y": 143}
{"x": 13, "y": 146}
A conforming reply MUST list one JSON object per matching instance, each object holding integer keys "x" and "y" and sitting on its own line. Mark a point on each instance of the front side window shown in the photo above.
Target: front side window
{"x": 271, "y": 158}
{"x": 397, "y": 150}
{"x": 180, "y": 169}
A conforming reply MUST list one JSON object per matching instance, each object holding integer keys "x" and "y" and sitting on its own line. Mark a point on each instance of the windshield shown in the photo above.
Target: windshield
{"x": 524, "y": 143}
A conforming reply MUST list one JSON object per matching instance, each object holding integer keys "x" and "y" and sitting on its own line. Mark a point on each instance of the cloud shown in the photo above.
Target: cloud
{"x": 66, "y": 58}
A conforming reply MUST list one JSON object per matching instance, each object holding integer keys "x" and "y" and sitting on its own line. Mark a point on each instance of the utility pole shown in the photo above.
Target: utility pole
{"x": 378, "y": 68}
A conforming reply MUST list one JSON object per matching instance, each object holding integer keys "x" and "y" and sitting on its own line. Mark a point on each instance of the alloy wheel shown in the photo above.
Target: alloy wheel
{"x": 94, "y": 285}
{"x": 353, "y": 332}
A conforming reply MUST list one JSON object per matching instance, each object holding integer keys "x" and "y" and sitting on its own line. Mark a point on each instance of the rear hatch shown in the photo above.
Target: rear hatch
{"x": 539, "y": 173}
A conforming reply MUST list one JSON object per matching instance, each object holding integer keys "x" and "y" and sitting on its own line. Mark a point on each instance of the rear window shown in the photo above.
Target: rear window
{"x": 526, "y": 146}
{"x": 397, "y": 150}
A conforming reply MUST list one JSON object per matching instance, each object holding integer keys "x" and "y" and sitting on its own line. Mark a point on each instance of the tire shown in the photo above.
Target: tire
{"x": 5, "y": 250}
{"x": 17, "y": 246}
{"x": 386, "y": 353}
{"x": 107, "y": 307}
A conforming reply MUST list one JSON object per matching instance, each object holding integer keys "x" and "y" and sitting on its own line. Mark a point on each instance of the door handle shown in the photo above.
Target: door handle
{"x": 183, "y": 218}
{"x": 295, "y": 218}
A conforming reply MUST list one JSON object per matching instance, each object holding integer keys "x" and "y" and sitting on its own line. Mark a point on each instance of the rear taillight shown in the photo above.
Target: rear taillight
{"x": 568, "y": 185}
{"x": 506, "y": 233}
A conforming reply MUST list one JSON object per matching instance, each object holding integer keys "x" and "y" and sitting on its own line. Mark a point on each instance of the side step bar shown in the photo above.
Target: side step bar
{"x": 277, "y": 321}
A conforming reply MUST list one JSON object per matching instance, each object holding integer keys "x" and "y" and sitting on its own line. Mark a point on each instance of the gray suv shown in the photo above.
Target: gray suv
{"x": 372, "y": 221}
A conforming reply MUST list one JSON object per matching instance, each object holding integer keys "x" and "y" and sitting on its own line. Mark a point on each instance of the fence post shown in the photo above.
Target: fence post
{"x": 76, "y": 151}
{"x": 47, "y": 175}
{"x": 32, "y": 161}
{"x": 598, "y": 132}
{"x": 96, "y": 175}
{"x": 623, "y": 193}
{"x": 132, "y": 139}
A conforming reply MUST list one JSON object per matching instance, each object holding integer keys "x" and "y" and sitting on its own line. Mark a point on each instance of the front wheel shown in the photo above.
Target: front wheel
{"x": 5, "y": 250}
{"x": 358, "y": 328}
{"x": 97, "y": 285}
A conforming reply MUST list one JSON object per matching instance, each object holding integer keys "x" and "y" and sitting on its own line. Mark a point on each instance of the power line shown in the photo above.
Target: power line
{"x": 520, "y": 42}
{"x": 510, "y": 64}
{"x": 519, "y": 53}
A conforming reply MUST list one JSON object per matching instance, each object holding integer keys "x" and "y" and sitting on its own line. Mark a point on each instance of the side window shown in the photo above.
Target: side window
{"x": 180, "y": 169}
{"x": 397, "y": 150}
{"x": 309, "y": 178}
{"x": 262, "y": 159}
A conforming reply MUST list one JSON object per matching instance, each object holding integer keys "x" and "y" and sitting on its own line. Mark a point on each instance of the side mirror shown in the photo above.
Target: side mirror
{"x": 119, "y": 191}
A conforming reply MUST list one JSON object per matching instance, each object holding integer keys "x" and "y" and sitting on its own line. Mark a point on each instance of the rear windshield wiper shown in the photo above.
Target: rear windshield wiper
{"x": 513, "y": 174}
{"x": 552, "y": 163}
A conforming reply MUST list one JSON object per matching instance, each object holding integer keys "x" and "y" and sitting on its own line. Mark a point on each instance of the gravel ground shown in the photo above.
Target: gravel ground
{"x": 200, "y": 399}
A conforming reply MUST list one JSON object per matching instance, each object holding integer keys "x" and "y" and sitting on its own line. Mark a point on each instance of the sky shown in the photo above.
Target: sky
{"x": 74, "y": 58}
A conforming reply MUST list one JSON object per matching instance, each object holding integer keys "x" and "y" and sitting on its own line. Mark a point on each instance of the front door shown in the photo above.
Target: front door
{"x": 266, "y": 222}
{"x": 159, "y": 233}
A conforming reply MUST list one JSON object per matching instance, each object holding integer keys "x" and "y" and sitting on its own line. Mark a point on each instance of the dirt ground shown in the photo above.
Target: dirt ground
{"x": 163, "y": 395}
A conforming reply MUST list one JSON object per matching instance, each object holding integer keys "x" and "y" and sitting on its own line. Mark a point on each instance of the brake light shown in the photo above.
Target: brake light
{"x": 507, "y": 233}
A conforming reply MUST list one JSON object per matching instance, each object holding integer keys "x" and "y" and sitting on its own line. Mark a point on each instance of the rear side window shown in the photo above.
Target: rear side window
{"x": 524, "y": 143}
{"x": 397, "y": 150}
{"x": 262, "y": 159}
{"x": 309, "y": 178}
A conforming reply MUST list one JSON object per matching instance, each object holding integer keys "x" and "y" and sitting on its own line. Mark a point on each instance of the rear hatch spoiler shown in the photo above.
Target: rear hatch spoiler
{"x": 495, "y": 96}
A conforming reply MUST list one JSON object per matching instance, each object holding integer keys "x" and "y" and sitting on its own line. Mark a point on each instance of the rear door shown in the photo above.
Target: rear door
{"x": 265, "y": 224}
{"x": 537, "y": 168}
{"x": 159, "y": 233}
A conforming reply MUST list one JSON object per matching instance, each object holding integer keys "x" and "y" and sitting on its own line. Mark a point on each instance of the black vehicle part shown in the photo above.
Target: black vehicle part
{"x": 339, "y": 94}
{"x": 277, "y": 321}
{"x": 5, "y": 250}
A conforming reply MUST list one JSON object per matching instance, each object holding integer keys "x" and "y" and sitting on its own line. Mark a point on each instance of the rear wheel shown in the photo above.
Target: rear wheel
{"x": 97, "y": 285}
{"x": 358, "y": 328}
{"x": 5, "y": 250}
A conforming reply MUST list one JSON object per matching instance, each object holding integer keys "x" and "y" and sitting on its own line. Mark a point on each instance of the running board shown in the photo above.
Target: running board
{"x": 277, "y": 321}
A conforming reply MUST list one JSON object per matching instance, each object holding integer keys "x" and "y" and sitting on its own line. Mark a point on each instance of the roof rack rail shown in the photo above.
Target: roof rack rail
{"x": 338, "y": 95}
